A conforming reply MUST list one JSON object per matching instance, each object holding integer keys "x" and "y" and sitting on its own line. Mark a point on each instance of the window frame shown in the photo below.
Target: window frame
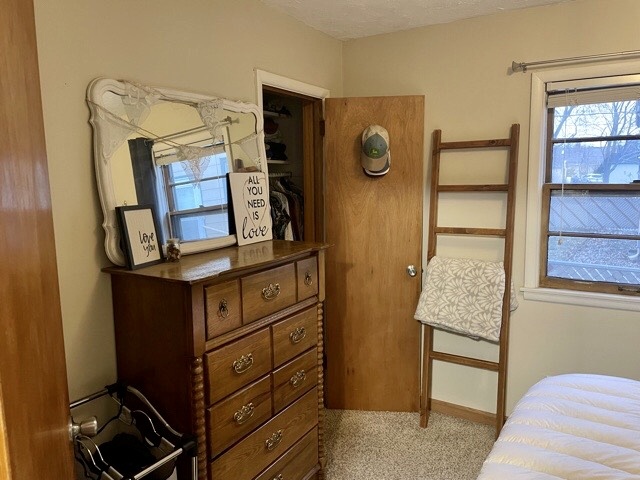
{"x": 538, "y": 286}
{"x": 548, "y": 188}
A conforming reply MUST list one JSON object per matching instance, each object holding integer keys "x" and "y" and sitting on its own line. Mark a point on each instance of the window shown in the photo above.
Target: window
{"x": 198, "y": 207}
{"x": 590, "y": 232}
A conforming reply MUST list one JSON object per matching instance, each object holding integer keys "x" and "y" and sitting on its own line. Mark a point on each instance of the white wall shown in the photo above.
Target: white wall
{"x": 462, "y": 68}
{"x": 209, "y": 47}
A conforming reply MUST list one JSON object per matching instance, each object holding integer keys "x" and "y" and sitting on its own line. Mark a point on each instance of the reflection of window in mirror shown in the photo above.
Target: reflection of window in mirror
{"x": 196, "y": 190}
{"x": 197, "y": 209}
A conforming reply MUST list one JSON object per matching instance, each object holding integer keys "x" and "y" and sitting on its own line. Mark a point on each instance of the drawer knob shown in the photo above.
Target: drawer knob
{"x": 223, "y": 308}
{"x": 298, "y": 379}
{"x": 273, "y": 441}
{"x": 243, "y": 363}
{"x": 270, "y": 292}
{"x": 244, "y": 414}
{"x": 308, "y": 279}
{"x": 298, "y": 335}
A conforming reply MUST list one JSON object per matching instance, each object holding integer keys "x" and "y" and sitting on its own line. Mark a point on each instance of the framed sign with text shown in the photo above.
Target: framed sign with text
{"x": 139, "y": 231}
{"x": 251, "y": 210}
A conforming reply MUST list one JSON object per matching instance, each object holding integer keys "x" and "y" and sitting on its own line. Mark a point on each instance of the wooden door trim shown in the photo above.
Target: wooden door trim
{"x": 268, "y": 79}
{"x": 318, "y": 167}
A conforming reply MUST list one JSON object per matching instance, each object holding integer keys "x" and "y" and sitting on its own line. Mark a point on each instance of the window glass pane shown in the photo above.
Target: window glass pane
{"x": 596, "y": 120}
{"x": 594, "y": 260}
{"x": 214, "y": 192}
{"x": 587, "y": 211}
{"x": 204, "y": 225}
{"x": 217, "y": 166}
{"x": 207, "y": 193}
{"x": 177, "y": 172}
{"x": 187, "y": 196}
{"x": 613, "y": 161}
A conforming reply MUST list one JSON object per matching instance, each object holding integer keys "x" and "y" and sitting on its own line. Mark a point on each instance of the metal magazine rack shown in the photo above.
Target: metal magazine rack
{"x": 144, "y": 444}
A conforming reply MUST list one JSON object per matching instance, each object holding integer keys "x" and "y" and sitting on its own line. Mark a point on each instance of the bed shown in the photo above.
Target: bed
{"x": 574, "y": 426}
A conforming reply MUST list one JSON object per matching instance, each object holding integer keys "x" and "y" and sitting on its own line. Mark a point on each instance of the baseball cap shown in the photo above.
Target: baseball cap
{"x": 375, "y": 156}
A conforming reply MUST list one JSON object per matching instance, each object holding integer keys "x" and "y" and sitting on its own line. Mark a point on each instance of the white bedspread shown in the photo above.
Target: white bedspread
{"x": 571, "y": 427}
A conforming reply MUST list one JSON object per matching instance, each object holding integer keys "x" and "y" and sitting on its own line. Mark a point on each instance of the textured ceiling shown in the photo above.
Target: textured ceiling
{"x": 347, "y": 19}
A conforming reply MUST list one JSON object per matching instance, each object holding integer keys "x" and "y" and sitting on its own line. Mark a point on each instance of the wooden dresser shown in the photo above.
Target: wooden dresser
{"x": 228, "y": 345}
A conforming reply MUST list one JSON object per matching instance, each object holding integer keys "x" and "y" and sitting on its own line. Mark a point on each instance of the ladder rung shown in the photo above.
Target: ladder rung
{"x": 501, "y": 142}
{"x": 488, "y": 232}
{"x": 466, "y": 361}
{"x": 501, "y": 187}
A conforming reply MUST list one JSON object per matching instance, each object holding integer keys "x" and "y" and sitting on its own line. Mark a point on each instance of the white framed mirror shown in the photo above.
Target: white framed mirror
{"x": 171, "y": 149}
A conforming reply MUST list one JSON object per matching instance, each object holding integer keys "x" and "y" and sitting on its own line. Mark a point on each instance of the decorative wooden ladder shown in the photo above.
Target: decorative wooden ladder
{"x": 429, "y": 354}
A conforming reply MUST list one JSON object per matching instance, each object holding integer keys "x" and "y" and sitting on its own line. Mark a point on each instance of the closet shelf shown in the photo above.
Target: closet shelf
{"x": 269, "y": 113}
{"x": 278, "y": 162}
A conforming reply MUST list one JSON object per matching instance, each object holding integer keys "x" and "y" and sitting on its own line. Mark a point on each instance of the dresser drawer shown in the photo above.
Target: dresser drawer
{"x": 267, "y": 292}
{"x": 307, "y": 275}
{"x": 222, "y": 303}
{"x": 294, "y": 335}
{"x": 234, "y": 417}
{"x": 237, "y": 364}
{"x": 261, "y": 448}
{"x": 295, "y": 378}
{"x": 297, "y": 462}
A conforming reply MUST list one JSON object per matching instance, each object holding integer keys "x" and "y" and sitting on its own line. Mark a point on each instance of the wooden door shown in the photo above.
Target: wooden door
{"x": 375, "y": 227}
{"x": 34, "y": 403}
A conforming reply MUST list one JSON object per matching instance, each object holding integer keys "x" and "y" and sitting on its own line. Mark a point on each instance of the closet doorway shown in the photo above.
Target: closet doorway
{"x": 293, "y": 141}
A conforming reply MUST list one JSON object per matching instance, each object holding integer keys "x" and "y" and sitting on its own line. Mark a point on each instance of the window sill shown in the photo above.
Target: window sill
{"x": 587, "y": 299}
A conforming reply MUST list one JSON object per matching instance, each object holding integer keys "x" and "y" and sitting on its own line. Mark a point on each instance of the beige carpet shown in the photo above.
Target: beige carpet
{"x": 392, "y": 446}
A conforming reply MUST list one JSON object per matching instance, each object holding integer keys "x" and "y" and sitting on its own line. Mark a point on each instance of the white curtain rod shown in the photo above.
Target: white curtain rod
{"x": 522, "y": 66}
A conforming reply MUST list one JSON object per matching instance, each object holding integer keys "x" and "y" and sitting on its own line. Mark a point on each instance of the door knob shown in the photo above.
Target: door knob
{"x": 88, "y": 427}
{"x": 411, "y": 271}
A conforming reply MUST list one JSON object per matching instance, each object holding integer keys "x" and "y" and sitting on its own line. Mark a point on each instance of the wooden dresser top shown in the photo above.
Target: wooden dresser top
{"x": 208, "y": 265}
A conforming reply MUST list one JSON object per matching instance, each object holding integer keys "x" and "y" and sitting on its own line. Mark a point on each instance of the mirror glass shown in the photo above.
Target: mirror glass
{"x": 171, "y": 149}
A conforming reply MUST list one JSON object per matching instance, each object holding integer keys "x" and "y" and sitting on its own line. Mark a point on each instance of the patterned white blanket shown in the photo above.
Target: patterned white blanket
{"x": 464, "y": 295}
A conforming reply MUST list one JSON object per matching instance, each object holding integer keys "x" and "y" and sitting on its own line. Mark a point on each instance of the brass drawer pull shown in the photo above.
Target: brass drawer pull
{"x": 243, "y": 364}
{"x": 297, "y": 335}
{"x": 244, "y": 414}
{"x": 273, "y": 441}
{"x": 271, "y": 292}
{"x": 298, "y": 379}
{"x": 308, "y": 279}
{"x": 223, "y": 309}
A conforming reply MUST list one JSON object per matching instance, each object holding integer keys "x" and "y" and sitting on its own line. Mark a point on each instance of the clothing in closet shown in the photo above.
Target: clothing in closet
{"x": 287, "y": 209}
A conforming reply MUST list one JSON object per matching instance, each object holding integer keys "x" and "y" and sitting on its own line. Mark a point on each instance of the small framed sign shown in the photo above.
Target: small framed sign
{"x": 251, "y": 209}
{"x": 139, "y": 231}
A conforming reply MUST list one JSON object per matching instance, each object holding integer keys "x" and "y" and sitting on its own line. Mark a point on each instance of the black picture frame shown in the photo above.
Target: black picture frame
{"x": 139, "y": 235}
